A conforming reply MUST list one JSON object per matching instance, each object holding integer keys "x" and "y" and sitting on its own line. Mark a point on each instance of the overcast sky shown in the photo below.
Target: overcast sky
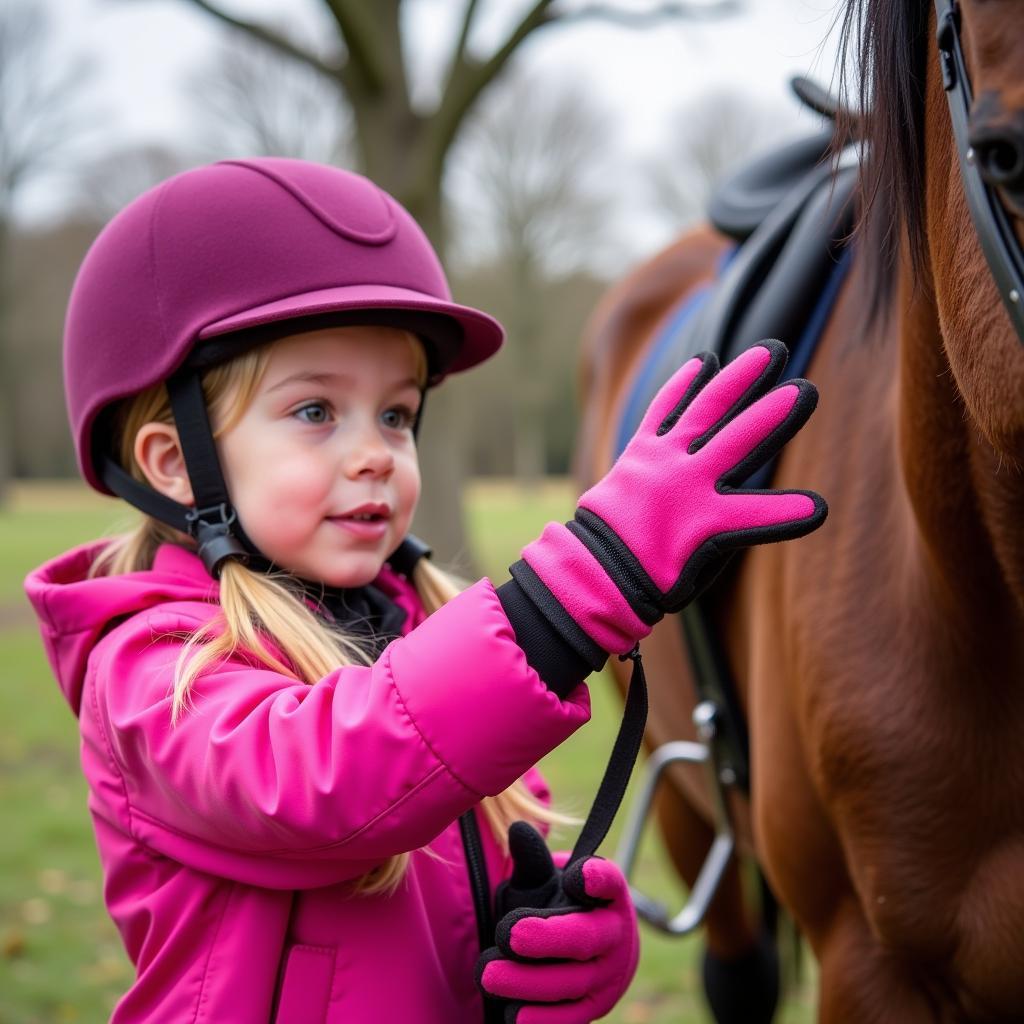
{"x": 144, "y": 49}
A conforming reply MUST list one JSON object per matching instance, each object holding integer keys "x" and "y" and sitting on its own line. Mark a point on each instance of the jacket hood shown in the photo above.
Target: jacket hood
{"x": 75, "y": 611}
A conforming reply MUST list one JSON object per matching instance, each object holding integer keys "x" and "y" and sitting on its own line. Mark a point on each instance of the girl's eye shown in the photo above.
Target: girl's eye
{"x": 398, "y": 418}
{"x": 313, "y": 412}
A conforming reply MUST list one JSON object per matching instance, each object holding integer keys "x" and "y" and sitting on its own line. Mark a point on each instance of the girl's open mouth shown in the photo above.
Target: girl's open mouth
{"x": 368, "y": 522}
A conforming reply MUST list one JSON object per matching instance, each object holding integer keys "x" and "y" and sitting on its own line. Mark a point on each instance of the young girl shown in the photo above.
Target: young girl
{"x": 304, "y": 747}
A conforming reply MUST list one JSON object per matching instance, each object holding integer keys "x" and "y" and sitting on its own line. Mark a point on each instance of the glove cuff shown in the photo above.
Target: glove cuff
{"x": 560, "y": 664}
{"x": 578, "y": 596}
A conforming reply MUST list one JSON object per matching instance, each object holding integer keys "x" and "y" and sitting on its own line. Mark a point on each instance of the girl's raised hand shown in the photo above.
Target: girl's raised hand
{"x": 649, "y": 536}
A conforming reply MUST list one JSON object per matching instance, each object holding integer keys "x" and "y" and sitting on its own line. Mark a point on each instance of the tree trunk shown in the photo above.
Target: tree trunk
{"x": 528, "y": 451}
{"x": 440, "y": 518}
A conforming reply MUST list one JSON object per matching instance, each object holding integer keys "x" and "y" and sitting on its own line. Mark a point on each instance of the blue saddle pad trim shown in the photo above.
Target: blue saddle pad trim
{"x": 632, "y": 413}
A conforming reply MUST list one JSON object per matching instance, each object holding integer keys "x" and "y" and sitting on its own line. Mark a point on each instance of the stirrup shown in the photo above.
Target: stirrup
{"x": 707, "y": 752}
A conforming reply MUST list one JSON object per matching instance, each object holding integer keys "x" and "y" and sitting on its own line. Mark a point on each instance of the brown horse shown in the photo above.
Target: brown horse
{"x": 881, "y": 659}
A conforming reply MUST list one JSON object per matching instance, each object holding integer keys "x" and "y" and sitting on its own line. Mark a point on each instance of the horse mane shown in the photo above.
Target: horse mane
{"x": 881, "y": 71}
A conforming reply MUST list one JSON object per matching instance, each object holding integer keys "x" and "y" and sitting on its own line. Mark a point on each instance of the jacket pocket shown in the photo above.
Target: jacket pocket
{"x": 306, "y": 985}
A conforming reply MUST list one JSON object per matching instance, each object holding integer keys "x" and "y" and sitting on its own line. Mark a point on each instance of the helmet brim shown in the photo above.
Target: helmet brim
{"x": 482, "y": 336}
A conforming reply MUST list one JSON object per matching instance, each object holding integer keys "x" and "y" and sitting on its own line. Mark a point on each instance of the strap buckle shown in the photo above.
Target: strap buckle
{"x": 197, "y": 517}
{"x": 215, "y": 540}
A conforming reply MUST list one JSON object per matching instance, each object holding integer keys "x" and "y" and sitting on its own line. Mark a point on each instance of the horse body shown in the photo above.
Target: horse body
{"x": 881, "y": 659}
{"x": 880, "y": 672}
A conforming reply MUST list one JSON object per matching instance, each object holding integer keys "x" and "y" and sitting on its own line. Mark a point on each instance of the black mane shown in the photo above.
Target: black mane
{"x": 882, "y": 51}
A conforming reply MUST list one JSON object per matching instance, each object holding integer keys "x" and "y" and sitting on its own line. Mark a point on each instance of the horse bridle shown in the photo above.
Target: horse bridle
{"x": 995, "y": 233}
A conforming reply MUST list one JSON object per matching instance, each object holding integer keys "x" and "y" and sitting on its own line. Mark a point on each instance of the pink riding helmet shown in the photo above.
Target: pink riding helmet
{"x": 239, "y": 244}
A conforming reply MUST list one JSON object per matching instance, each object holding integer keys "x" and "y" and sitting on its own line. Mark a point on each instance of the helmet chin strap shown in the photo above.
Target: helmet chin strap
{"x": 213, "y": 522}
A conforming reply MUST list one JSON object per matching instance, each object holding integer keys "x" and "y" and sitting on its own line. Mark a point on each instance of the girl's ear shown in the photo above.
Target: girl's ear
{"x": 158, "y": 453}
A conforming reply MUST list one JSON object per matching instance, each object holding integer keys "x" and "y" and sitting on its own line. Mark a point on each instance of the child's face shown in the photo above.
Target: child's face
{"x": 321, "y": 466}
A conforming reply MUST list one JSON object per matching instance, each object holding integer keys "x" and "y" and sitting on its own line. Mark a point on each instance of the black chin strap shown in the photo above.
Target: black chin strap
{"x": 213, "y": 522}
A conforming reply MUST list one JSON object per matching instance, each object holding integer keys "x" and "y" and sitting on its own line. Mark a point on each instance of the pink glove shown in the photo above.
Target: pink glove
{"x": 659, "y": 526}
{"x": 568, "y": 947}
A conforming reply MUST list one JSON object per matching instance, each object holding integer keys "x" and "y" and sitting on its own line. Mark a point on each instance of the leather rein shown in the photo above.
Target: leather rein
{"x": 998, "y": 241}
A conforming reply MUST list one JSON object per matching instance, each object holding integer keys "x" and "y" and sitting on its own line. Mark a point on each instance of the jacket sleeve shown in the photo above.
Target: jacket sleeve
{"x": 280, "y": 784}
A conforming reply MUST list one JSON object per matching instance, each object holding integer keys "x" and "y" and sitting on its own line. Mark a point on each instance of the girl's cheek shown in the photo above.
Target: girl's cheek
{"x": 297, "y": 482}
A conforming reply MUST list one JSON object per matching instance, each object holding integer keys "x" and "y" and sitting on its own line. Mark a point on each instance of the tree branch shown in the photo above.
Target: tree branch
{"x": 469, "y": 78}
{"x": 459, "y": 53}
{"x": 271, "y": 38}
{"x": 361, "y": 41}
{"x": 639, "y": 19}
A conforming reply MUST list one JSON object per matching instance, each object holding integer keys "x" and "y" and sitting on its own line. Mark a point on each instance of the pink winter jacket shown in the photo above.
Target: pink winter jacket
{"x": 230, "y": 842}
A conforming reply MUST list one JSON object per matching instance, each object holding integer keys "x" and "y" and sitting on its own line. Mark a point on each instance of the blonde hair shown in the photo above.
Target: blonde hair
{"x": 264, "y": 615}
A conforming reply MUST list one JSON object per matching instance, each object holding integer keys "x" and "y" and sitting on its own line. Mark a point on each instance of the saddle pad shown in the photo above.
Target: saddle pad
{"x": 781, "y": 283}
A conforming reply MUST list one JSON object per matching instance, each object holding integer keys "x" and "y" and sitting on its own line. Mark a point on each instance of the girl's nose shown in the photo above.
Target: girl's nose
{"x": 368, "y": 455}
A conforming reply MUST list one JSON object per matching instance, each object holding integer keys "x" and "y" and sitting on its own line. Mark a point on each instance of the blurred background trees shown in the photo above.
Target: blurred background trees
{"x": 708, "y": 136}
{"x": 40, "y": 119}
{"x": 514, "y": 171}
{"x": 531, "y": 207}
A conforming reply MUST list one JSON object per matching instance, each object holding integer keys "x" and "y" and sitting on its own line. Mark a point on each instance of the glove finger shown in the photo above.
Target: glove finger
{"x": 534, "y": 879}
{"x": 532, "y": 865}
{"x": 506, "y": 925}
{"x": 749, "y": 375}
{"x": 580, "y": 936}
{"x": 595, "y": 879}
{"x": 678, "y": 391}
{"x": 766, "y": 516}
{"x": 757, "y": 433}
{"x": 541, "y": 982}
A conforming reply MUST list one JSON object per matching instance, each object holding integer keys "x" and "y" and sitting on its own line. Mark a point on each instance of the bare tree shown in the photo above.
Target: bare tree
{"x": 108, "y": 184}
{"x": 41, "y": 278}
{"x": 40, "y": 119}
{"x": 711, "y": 135}
{"x": 535, "y": 186}
{"x": 529, "y": 195}
{"x": 403, "y": 145}
{"x": 255, "y": 101}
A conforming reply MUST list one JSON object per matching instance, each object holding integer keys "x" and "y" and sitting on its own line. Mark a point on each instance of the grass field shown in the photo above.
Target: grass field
{"x": 60, "y": 957}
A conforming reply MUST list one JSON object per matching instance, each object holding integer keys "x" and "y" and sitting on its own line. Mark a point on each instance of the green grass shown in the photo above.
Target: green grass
{"x": 60, "y": 956}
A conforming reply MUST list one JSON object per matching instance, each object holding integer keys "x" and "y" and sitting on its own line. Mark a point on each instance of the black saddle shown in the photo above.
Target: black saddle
{"x": 791, "y": 213}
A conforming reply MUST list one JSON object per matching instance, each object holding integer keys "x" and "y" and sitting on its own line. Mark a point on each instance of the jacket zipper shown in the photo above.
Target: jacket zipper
{"x": 478, "y": 881}
{"x": 636, "y": 587}
{"x": 480, "y": 887}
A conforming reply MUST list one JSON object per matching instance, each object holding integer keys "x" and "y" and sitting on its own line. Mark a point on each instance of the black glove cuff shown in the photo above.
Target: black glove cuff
{"x": 561, "y": 663}
{"x": 621, "y": 565}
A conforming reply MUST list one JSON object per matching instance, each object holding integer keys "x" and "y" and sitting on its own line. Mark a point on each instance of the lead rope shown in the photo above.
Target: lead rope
{"x": 624, "y": 753}
{"x": 610, "y": 792}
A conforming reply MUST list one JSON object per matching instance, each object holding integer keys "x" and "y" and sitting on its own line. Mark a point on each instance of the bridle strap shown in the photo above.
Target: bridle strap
{"x": 998, "y": 242}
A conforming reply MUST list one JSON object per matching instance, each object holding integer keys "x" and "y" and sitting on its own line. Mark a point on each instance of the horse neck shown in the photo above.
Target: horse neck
{"x": 967, "y": 498}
